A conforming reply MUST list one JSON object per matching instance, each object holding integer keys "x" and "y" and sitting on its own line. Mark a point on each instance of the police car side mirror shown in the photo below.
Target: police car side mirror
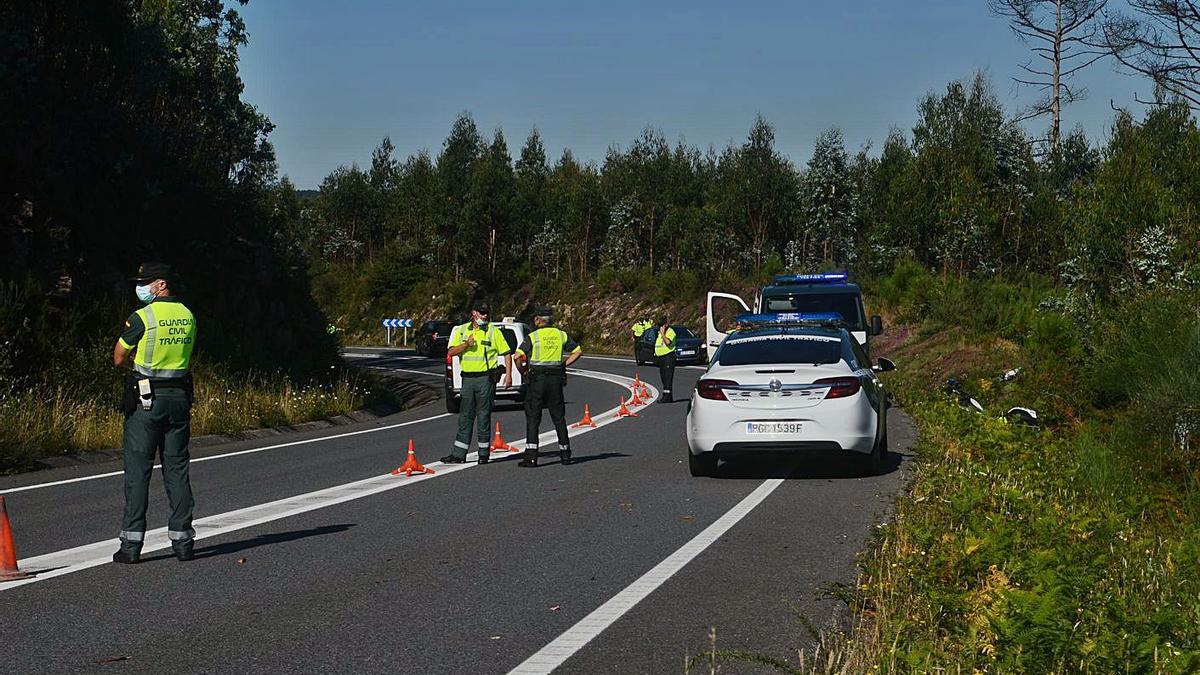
{"x": 884, "y": 365}
{"x": 876, "y": 325}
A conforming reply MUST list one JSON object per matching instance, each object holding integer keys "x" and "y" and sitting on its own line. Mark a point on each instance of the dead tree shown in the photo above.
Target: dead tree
{"x": 1064, "y": 36}
{"x": 1161, "y": 41}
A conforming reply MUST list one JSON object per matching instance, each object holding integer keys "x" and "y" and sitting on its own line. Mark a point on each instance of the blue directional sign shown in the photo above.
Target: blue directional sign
{"x": 397, "y": 323}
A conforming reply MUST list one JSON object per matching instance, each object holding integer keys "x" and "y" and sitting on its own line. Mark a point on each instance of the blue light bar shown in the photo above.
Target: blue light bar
{"x": 823, "y": 278}
{"x": 797, "y": 318}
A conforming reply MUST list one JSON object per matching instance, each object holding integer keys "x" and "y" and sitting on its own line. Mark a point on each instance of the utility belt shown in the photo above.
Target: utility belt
{"x": 547, "y": 371}
{"x": 481, "y": 373}
{"x": 139, "y": 391}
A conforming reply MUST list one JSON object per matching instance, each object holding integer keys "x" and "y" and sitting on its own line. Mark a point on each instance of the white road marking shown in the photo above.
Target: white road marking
{"x": 80, "y": 558}
{"x": 230, "y": 454}
{"x": 440, "y": 376}
{"x": 564, "y": 646}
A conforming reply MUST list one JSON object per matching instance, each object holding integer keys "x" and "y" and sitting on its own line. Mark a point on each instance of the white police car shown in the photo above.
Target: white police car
{"x": 788, "y": 382}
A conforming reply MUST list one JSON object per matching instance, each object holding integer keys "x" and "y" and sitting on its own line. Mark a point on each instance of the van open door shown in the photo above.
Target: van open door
{"x": 715, "y": 336}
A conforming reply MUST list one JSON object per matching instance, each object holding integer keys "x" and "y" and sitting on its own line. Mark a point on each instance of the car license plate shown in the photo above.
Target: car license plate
{"x": 774, "y": 427}
{"x": 687, "y": 352}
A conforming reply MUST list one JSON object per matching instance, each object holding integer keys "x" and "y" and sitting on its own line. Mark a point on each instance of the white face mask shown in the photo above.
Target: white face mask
{"x": 144, "y": 294}
{"x": 480, "y": 321}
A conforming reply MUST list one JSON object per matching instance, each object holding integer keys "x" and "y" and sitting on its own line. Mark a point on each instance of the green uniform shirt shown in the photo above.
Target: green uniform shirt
{"x": 163, "y": 333}
{"x": 490, "y": 345}
{"x": 660, "y": 346}
{"x": 546, "y": 346}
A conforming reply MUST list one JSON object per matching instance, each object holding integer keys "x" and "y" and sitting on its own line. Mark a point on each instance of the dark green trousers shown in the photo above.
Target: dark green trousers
{"x": 545, "y": 390}
{"x": 475, "y": 411}
{"x": 167, "y": 425}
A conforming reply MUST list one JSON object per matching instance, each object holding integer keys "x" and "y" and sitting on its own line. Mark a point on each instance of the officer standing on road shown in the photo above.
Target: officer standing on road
{"x": 157, "y": 343}
{"x": 664, "y": 353}
{"x": 479, "y": 346}
{"x": 639, "y": 329}
{"x": 541, "y": 356}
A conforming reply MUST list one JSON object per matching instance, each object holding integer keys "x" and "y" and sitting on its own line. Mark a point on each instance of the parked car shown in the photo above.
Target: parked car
{"x": 433, "y": 337}
{"x": 784, "y": 383}
{"x": 688, "y": 346}
{"x": 514, "y": 334}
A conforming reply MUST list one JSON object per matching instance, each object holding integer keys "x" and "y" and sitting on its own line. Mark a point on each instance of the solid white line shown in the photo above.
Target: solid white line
{"x": 59, "y": 563}
{"x": 230, "y": 454}
{"x": 405, "y": 370}
{"x": 561, "y": 648}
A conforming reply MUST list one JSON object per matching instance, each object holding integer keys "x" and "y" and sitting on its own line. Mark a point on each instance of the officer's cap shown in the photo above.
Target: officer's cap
{"x": 149, "y": 271}
{"x": 543, "y": 311}
{"x": 481, "y": 307}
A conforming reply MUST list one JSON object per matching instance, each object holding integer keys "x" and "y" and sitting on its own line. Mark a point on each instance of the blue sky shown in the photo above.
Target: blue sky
{"x": 335, "y": 77}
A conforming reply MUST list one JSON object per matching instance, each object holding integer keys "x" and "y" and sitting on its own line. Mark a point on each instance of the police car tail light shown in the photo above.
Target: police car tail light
{"x": 712, "y": 389}
{"x": 841, "y": 387}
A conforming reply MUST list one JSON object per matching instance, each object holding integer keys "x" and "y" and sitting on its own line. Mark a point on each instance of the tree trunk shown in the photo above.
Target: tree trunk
{"x": 1055, "y": 101}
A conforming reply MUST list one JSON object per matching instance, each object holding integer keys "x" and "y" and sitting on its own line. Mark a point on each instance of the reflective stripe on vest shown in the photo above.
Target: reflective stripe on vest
{"x": 547, "y": 347}
{"x": 165, "y": 348}
{"x": 661, "y": 349}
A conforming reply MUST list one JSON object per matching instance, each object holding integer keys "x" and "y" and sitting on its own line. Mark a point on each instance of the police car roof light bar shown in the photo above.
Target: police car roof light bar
{"x": 823, "y": 278}
{"x": 792, "y": 319}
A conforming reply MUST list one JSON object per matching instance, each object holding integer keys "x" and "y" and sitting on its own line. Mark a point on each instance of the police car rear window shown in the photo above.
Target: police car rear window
{"x": 769, "y": 349}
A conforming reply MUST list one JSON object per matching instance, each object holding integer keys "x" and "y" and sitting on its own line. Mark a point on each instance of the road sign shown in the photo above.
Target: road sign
{"x": 389, "y": 324}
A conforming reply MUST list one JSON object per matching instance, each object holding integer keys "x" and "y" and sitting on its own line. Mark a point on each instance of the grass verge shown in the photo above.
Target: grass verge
{"x": 65, "y": 420}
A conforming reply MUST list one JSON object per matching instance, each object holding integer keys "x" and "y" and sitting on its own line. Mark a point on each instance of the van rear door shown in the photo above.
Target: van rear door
{"x": 715, "y": 336}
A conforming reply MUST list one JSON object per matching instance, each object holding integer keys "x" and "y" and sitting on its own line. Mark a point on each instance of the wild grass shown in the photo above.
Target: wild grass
{"x": 36, "y": 423}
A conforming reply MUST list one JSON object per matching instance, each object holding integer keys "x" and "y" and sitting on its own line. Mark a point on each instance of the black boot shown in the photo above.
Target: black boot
{"x": 128, "y": 554}
{"x": 530, "y": 459}
{"x": 484, "y": 458}
{"x": 565, "y": 457}
{"x": 184, "y": 550}
{"x": 451, "y": 459}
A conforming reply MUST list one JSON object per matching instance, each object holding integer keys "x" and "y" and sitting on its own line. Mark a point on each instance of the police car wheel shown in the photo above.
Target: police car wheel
{"x": 872, "y": 464}
{"x": 704, "y": 464}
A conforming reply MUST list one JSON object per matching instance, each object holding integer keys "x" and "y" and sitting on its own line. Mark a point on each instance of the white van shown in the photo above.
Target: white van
{"x": 514, "y": 333}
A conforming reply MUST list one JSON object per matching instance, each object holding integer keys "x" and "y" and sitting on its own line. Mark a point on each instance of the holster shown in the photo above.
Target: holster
{"x": 129, "y": 396}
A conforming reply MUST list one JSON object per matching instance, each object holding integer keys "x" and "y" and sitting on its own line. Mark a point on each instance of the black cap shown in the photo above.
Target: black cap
{"x": 481, "y": 307}
{"x": 149, "y": 271}
{"x": 543, "y": 311}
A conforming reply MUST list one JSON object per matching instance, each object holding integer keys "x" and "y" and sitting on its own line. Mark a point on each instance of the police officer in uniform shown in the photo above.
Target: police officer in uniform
{"x": 664, "y": 354}
{"x": 639, "y": 329}
{"x": 478, "y": 345}
{"x": 157, "y": 344}
{"x": 544, "y": 357}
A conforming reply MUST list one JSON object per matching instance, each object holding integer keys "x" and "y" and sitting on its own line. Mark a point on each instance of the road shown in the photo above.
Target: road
{"x": 312, "y": 558}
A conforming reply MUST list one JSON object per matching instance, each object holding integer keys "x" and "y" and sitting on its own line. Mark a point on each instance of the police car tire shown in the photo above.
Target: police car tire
{"x": 872, "y": 463}
{"x": 453, "y": 403}
{"x": 704, "y": 464}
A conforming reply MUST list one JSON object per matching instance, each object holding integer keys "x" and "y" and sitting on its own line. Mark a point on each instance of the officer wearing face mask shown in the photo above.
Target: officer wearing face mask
{"x": 157, "y": 345}
{"x": 478, "y": 346}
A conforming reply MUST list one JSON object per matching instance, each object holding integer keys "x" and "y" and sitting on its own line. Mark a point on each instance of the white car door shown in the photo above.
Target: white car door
{"x": 715, "y": 336}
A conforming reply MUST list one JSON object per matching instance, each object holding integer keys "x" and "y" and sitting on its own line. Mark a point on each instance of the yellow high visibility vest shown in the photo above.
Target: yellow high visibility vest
{"x": 165, "y": 349}
{"x": 489, "y": 346}
{"x": 660, "y": 348}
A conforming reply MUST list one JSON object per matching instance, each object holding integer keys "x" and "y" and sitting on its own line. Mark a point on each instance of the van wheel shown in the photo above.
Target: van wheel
{"x": 453, "y": 403}
{"x": 704, "y": 464}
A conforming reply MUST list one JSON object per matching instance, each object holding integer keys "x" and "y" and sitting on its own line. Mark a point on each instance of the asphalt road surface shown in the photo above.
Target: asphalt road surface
{"x": 312, "y": 557}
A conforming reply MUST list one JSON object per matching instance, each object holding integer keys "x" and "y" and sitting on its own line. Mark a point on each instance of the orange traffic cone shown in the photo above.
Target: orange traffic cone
{"x": 636, "y": 400}
{"x": 624, "y": 412}
{"x": 8, "y": 552}
{"x": 587, "y": 418}
{"x": 498, "y": 444}
{"x": 410, "y": 465}
{"x": 637, "y": 380}
{"x": 646, "y": 393}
